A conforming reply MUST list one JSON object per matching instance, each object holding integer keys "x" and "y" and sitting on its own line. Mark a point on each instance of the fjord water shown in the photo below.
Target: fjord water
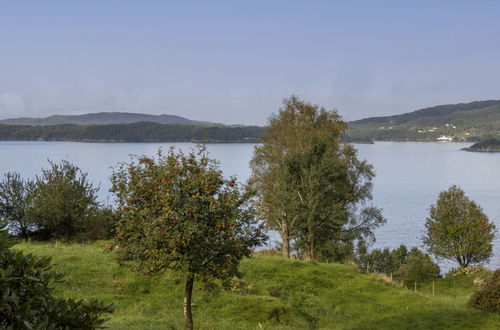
{"x": 409, "y": 176}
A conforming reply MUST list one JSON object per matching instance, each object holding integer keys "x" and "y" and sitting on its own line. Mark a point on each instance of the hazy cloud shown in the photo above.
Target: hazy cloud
{"x": 11, "y": 104}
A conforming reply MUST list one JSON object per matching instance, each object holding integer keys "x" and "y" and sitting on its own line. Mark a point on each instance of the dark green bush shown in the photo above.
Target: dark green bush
{"x": 383, "y": 261}
{"x": 418, "y": 266}
{"x": 406, "y": 266}
{"x": 26, "y": 298}
{"x": 63, "y": 202}
{"x": 334, "y": 251}
{"x": 488, "y": 297}
{"x": 99, "y": 226}
{"x": 15, "y": 202}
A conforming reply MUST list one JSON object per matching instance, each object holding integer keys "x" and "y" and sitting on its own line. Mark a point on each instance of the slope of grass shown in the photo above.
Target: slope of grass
{"x": 274, "y": 293}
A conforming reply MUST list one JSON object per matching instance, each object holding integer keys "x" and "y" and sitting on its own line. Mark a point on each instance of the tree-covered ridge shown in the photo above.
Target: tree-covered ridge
{"x": 460, "y": 122}
{"x": 104, "y": 118}
{"x": 135, "y": 132}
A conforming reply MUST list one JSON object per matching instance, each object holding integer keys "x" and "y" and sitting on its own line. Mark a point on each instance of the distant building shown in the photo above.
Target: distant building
{"x": 444, "y": 138}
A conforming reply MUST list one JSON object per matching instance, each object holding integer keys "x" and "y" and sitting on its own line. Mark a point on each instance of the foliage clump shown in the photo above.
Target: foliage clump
{"x": 16, "y": 195}
{"x": 418, "y": 266}
{"x": 405, "y": 266}
{"x": 488, "y": 297}
{"x": 61, "y": 203}
{"x": 178, "y": 212}
{"x": 458, "y": 229}
{"x": 27, "y": 301}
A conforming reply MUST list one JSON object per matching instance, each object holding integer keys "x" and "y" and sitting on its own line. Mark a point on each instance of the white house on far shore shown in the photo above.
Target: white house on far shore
{"x": 444, "y": 138}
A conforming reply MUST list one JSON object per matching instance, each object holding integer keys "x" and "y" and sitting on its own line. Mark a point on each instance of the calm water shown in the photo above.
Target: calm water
{"x": 410, "y": 175}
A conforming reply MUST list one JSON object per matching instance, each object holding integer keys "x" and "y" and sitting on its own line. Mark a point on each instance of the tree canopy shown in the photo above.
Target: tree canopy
{"x": 178, "y": 212}
{"x": 458, "y": 229}
{"x": 311, "y": 186}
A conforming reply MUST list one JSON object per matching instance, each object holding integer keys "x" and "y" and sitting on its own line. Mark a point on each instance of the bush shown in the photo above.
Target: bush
{"x": 99, "y": 226}
{"x": 406, "y": 266}
{"x": 15, "y": 203}
{"x": 64, "y": 201}
{"x": 383, "y": 261}
{"x": 27, "y": 301}
{"x": 418, "y": 266}
{"x": 488, "y": 297}
{"x": 60, "y": 204}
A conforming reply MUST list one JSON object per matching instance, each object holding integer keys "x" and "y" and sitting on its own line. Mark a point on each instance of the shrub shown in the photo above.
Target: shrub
{"x": 406, "y": 266}
{"x": 99, "y": 226}
{"x": 418, "y": 266}
{"x": 488, "y": 297}
{"x": 64, "y": 201}
{"x": 26, "y": 298}
{"x": 15, "y": 203}
{"x": 383, "y": 261}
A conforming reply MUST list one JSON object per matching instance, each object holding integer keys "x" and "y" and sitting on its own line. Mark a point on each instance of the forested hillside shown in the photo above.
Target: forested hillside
{"x": 136, "y": 132}
{"x": 460, "y": 122}
{"x": 475, "y": 121}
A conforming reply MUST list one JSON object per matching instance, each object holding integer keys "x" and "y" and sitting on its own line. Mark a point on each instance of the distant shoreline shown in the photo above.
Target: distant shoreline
{"x": 120, "y": 142}
{"x": 135, "y": 132}
{"x": 491, "y": 145}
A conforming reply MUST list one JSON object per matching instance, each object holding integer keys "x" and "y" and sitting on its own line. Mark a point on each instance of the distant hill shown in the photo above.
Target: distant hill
{"x": 104, "y": 118}
{"x": 134, "y": 132}
{"x": 475, "y": 121}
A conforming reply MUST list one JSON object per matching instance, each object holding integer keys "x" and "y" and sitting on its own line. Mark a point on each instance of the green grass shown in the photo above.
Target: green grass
{"x": 274, "y": 293}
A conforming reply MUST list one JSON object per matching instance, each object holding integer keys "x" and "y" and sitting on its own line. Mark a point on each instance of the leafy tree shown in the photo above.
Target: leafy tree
{"x": 15, "y": 203}
{"x": 64, "y": 201}
{"x": 458, "y": 229}
{"x": 311, "y": 186}
{"x": 27, "y": 300}
{"x": 178, "y": 212}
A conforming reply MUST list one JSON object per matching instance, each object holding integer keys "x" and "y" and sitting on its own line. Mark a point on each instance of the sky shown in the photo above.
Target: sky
{"x": 235, "y": 61}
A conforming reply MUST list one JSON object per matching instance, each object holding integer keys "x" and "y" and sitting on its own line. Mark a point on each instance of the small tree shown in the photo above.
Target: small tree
{"x": 15, "y": 202}
{"x": 458, "y": 229}
{"x": 178, "y": 212}
{"x": 64, "y": 200}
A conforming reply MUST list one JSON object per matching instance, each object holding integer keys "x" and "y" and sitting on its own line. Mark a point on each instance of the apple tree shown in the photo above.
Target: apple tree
{"x": 177, "y": 211}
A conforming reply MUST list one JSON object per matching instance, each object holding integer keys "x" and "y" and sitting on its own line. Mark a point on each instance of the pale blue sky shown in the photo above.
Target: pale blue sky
{"x": 234, "y": 61}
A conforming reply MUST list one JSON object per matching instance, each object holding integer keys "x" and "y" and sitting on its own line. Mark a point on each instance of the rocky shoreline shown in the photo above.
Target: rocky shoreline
{"x": 491, "y": 145}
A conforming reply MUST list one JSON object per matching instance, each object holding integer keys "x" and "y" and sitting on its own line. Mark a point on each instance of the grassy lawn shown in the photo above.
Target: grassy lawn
{"x": 274, "y": 293}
